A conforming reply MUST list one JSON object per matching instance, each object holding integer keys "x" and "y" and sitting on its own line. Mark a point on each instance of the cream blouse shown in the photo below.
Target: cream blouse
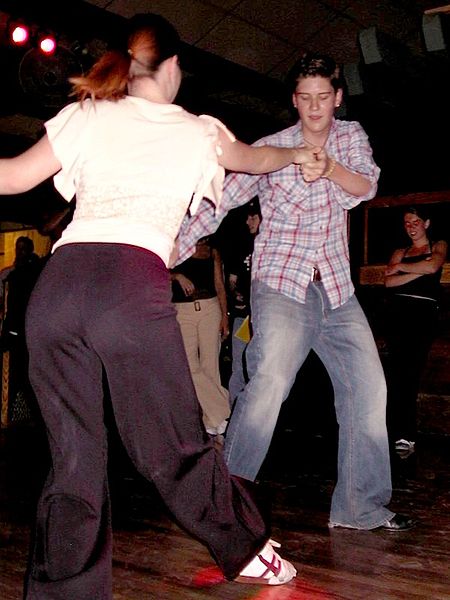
{"x": 135, "y": 167}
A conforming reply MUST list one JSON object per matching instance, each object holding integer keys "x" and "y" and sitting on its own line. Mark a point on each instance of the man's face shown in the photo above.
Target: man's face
{"x": 316, "y": 100}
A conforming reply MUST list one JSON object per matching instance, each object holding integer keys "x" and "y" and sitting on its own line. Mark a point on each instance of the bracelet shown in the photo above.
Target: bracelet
{"x": 330, "y": 168}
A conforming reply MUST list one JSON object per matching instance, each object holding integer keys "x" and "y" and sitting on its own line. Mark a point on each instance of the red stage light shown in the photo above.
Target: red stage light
{"x": 20, "y": 35}
{"x": 47, "y": 44}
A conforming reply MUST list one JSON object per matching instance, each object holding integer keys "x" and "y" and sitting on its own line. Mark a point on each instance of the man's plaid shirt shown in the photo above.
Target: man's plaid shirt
{"x": 304, "y": 225}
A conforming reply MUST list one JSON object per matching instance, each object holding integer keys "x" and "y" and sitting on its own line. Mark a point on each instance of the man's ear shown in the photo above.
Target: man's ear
{"x": 339, "y": 95}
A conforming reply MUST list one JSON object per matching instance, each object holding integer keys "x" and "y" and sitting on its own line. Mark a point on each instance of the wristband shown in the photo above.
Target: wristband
{"x": 330, "y": 168}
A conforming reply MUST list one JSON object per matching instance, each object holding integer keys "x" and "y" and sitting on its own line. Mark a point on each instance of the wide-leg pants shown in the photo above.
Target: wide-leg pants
{"x": 102, "y": 314}
{"x": 284, "y": 332}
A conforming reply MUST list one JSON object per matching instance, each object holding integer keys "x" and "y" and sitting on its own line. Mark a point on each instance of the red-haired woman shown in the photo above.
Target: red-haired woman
{"x": 101, "y": 311}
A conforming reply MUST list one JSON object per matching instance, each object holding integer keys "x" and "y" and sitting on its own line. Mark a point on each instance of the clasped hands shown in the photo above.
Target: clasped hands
{"x": 313, "y": 162}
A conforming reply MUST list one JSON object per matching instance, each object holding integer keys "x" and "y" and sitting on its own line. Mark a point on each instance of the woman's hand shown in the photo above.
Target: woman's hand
{"x": 224, "y": 327}
{"x": 305, "y": 154}
{"x": 186, "y": 284}
{"x": 392, "y": 269}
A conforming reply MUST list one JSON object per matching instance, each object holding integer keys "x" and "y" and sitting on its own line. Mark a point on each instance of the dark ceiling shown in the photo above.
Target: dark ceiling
{"x": 237, "y": 55}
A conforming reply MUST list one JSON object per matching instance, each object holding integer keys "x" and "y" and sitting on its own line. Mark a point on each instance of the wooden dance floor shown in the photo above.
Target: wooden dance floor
{"x": 154, "y": 559}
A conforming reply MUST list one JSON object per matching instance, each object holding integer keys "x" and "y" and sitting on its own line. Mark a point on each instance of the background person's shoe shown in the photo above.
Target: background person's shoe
{"x": 403, "y": 444}
{"x": 404, "y": 454}
{"x": 398, "y": 523}
{"x": 222, "y": 427}
{"x": 219, "y": 430}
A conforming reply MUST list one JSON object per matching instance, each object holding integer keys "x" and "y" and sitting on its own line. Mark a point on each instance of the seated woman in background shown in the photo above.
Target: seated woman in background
{"x": 200, "y": 299}
{"x": 413, "y": 278}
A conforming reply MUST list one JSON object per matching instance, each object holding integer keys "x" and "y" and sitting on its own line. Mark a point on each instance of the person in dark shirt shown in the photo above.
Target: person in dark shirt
{"x": 413, "y": 280}
{"x": 239, "y": 284}
{"x": 20, "y": 282}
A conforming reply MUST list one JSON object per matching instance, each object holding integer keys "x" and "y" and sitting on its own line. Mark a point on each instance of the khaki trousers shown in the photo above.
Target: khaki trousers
{"x": 199, "y": 322}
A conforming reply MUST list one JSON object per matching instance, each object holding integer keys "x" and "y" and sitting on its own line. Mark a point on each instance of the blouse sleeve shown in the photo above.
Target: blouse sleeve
{"x": 66, "y": 132}
{"x": 211, "y": 181}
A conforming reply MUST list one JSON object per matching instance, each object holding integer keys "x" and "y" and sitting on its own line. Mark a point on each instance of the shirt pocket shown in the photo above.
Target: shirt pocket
{"x": 290, "y": 197}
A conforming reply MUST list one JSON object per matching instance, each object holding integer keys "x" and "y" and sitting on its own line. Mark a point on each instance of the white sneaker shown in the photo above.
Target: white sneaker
{"x": 221, "y": 428}
{"x": 403, "y": 444}
{"x": 267, "y": 568}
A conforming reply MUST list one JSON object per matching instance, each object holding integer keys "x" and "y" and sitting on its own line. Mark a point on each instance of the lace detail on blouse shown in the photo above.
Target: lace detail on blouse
{"x": 114, "y": 201}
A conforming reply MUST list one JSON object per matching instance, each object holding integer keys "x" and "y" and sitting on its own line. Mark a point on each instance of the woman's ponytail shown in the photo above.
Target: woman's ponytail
{"x": 106, "y": 80}
{"x": 151, "y": 39}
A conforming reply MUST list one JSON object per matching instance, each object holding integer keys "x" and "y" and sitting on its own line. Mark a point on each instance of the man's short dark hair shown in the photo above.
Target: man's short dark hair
{"x": 313, "y": 64}
{"x": 253, "y": 208}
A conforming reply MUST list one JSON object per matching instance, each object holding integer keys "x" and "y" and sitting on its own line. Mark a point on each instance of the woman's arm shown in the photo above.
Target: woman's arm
{"x": 427, "y": 266}
{"x": 398, "y": 273}
{"x": 25, "y": 171}
{"x": 392, "y": 274}
{"x": 219, "y": 285}
{"x": 399, "y": 279}
{"x": 255, "y": 160}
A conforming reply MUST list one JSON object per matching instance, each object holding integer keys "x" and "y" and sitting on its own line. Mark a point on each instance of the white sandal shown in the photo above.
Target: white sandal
{"x": 267, "y": 568}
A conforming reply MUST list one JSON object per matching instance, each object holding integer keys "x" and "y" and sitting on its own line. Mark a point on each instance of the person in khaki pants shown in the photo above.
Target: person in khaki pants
{"x": 200, "y": 299}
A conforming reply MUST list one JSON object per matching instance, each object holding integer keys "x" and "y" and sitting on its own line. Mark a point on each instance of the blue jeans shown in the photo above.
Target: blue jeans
{"x": 237, "y": 379}
{"x": 284, "y": 333}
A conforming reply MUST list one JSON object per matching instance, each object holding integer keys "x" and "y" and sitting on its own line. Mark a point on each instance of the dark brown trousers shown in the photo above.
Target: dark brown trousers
{"x": 103, "y": 312}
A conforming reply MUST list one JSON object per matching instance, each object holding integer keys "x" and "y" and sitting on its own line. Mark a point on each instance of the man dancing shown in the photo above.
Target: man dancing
{"x": 303, "y": 299}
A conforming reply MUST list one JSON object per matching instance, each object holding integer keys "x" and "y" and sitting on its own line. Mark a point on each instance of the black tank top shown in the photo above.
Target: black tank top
{"x": 201, "y": 272}
{"x": 425, "y": 286}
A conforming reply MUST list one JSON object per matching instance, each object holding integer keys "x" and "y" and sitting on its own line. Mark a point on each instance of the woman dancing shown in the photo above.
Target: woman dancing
{"x": 101, "y": 314}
